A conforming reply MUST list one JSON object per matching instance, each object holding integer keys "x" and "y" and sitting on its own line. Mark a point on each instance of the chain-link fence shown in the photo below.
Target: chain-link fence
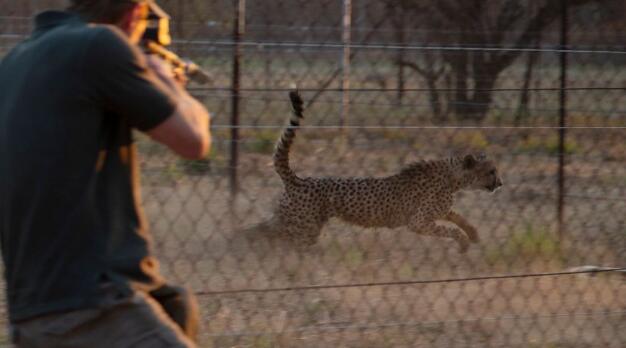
{"x": 537, "y": 85}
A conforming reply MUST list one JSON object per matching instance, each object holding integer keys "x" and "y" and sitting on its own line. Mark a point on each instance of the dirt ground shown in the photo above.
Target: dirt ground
{"x": 196, "y": 220}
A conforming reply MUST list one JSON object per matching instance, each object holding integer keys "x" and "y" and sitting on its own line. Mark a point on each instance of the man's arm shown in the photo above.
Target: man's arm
{"x": 186, "y": 131}
{"x": 145, "y": 91}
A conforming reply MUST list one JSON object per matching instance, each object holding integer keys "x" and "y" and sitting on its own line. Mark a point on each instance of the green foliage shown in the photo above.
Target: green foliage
{"x": 397, "y": 134}
{"x": 264, "y": 342}
{"x": 475, "y": 140}
{"x": 313, "y": 310}
{"x": 406, "y": 271}
{"x": 354, "y": 257}
{"x": 548, "y": 145}
{"x": 261, "y": 341}
{"x": 531, "y": 244}
{"x": 543, "y": 345}
{"x": 261, "y": 142}
{"x": 173, "y": 172}
{"x": 204, "y": 165}
{"x": 196, "y": 167}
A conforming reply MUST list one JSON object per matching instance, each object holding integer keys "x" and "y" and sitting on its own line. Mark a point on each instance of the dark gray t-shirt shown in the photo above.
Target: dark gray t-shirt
{"x": 70, "y": 222}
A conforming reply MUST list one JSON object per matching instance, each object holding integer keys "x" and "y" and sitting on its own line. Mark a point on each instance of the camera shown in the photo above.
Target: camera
{"x": 157, "y": 37}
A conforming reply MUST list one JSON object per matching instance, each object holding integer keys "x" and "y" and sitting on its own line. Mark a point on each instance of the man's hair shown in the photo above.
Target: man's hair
{"x": 102, "y": 11}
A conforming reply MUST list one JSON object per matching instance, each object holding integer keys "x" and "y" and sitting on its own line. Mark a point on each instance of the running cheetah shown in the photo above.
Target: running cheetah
{"x": 417, "y": 196}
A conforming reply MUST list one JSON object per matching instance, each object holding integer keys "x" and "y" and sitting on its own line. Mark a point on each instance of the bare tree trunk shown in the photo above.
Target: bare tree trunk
{"x": 480, "y": 103}
{"x": 346, "y": 62}
{"x": 433, "y": 97}
{"x": 448, "y": 83}
{"x": 522, "y": 109}
{"x": 458, "y": 63}
{"x": 400, "y": 38}
{"x": 431, "y": 77}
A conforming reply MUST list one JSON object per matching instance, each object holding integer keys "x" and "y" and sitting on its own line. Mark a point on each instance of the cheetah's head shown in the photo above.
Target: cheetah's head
{"x": 480, "y": 173}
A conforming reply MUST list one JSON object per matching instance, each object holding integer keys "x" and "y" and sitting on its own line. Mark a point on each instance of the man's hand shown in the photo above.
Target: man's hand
{"x": 174, "y": 78}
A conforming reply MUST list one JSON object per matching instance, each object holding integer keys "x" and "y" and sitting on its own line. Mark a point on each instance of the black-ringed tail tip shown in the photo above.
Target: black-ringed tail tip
{"x": 296, "y": 100}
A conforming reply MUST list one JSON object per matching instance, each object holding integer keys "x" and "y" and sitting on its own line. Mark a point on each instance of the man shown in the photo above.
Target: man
{"x": 78, "y": 263}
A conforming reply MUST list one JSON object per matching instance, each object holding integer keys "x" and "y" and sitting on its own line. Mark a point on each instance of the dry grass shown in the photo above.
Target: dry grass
{"x": 195, "y": 222}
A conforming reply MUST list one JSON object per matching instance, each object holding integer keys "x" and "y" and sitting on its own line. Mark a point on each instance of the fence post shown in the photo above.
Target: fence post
{"x": 401, "y": 40}
{"x": 345, "y": 62}
{"x": 238, "y": 29}
{"x": 562, "y": 119}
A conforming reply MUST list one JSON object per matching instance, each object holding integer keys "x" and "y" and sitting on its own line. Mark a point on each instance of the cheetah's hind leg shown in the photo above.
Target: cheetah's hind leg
{"x": 267, "y": 230}
{"x": 300, "y": 236}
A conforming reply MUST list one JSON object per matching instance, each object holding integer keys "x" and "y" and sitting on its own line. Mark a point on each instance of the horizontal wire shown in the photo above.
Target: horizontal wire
{"x": 399, "y": 105}
{"x": 262, "y": 28}
{"x": 367, "y": 46}
{"x": 249, "y": 139}
{"x": 156, "y": 170}
{"x": 406, "y": 30}
{"x": 216, "y": 94}
{"x": 402, "y": 283}
{"x": 338, "y": 127}
{"x": 486, "y": 90}
{"x": 372, "y": 46}
{"x": 391, "y": 47}
{"x": 13, "y": 36}
{"x": 326, "y": 328}
{"x": 164, "y": 171}
{"x": 584, "y": 197}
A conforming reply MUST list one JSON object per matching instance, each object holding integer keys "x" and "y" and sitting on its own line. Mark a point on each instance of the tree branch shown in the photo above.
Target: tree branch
{"x": 544, "y": 17}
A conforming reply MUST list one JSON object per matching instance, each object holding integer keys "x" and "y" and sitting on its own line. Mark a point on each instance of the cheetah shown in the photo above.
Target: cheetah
{"x": 416, "y": 197}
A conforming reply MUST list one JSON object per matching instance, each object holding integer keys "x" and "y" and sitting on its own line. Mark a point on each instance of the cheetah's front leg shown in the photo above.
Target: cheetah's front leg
{"x": 460, "y": 221}
{"x": 432, "y": 229}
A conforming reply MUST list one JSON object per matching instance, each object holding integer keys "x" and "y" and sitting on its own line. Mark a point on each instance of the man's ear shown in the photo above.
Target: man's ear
{"x": 133, "y": 22}
{"x": 469, "y": 162}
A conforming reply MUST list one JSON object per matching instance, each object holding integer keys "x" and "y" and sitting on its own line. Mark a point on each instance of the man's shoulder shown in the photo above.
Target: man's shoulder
{"x": 89, "y": 34}
{"x": 76, "y": 38}
{"x": 92, "y": 36}
{"x": 109, "y": 43}
{"x": 107, "y": 34}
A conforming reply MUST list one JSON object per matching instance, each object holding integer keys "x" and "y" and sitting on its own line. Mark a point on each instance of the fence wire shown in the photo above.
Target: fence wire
{"x": 427, "y": 79}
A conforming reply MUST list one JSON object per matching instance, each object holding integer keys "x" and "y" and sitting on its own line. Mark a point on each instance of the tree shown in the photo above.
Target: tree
{"x": 466, "y": 26}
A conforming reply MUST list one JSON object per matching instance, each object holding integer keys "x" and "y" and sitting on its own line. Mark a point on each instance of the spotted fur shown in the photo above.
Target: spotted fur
{"x": 417, "y": 196}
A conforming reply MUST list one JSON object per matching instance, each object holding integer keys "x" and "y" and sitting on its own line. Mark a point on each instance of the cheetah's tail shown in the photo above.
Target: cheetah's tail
{"x": 281, "y": 152}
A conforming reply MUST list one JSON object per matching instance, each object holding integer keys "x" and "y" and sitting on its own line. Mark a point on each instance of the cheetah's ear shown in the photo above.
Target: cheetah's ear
{"x": 469, "y": 162}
